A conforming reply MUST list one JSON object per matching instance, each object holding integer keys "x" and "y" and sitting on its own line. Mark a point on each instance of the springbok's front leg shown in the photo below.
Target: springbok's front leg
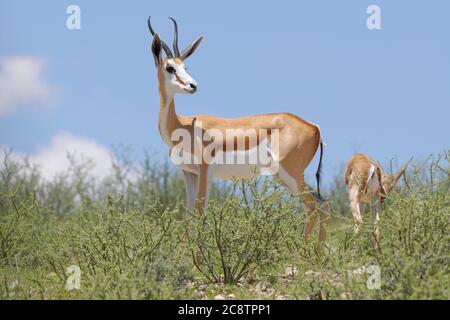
{"x": 191, "y": 187}
{"x": 204, "y": 186}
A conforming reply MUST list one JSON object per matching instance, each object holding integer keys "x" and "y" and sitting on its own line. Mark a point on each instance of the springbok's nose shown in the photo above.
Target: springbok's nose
{"x": 193, "y": 86}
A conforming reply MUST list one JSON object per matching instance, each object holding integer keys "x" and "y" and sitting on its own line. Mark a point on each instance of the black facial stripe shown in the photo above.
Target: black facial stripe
{"x": 179, "y": 80}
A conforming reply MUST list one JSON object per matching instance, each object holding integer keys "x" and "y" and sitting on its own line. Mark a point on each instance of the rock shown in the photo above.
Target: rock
{"x": 200, "y": 295}
{"x": 202, "y": 287}
{"x": 290, "y": 272}
{"x": 270, "y": 291}
{"x": 219, "y": 297}
{"x": 14, "y": 284}
{"x": 260, "y": 287}
{"x": 231, "y": 296}
{"x": 357, "y": 272}
{"x": 346, "y": 296}
{"x": 334, "y": 278}
{"x": 280, "y": 297}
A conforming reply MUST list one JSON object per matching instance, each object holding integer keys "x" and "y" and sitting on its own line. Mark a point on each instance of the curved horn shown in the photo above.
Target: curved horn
{"x": 150, "y": 26}
{"x": 163, "y": 44}
{"x": 175, "y": 38}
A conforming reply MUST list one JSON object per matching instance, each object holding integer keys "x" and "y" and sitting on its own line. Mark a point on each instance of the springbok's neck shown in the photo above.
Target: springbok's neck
{"x": 167, "y": 120}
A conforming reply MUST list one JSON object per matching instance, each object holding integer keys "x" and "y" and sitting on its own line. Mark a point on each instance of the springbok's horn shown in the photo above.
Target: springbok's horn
{"x": 175, "y": 38}
{"x": 163, "y": 44}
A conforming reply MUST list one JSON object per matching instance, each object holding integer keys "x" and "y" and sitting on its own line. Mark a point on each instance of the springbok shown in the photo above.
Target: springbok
{"x": 298, "y": 140}
{"x": 367, "y": 183}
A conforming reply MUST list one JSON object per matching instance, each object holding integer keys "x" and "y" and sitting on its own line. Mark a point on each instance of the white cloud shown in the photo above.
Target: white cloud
{"x": 22, "y": 82}
{"x": 52, "y": 159}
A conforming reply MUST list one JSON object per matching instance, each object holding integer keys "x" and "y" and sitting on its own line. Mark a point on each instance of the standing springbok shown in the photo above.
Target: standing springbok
{"x": 298, "y": 140}
{"x": 367, "y": 183}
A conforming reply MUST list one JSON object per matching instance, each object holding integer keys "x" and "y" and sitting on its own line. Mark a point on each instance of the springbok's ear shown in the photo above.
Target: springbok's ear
{"x": 380, "y": 166}
{"x": 402, "y": 170}
{"x": 383, "y": 190}
{"x": 156, "y": 49}
{"x": 191, "y": 48}
{"x": 398, "y": 175}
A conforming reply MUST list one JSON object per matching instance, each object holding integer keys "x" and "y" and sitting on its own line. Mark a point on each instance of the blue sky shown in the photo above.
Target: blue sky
{"x": 383, "y": 92}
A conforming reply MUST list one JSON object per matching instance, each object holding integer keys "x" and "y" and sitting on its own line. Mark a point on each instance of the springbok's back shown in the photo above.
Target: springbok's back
{"x": 363, "y": 175}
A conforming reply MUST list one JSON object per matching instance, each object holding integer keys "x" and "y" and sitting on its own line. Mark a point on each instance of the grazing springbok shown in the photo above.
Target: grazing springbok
{"x": 367, "y": 183}
{"x": 296, "y": 139}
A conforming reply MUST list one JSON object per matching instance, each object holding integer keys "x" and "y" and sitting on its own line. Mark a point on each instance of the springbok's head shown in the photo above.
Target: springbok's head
{"x": 388, "y": 181}
{"x": 171, "y": 71}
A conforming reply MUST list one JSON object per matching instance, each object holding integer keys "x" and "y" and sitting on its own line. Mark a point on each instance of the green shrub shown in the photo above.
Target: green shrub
{"x": 131, "y": 238}
{"x": 238, "y": 235}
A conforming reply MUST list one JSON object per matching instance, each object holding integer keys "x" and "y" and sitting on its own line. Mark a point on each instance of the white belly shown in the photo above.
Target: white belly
{"x": 237, "y": 171}
{"x": 227, "y": 171}
{"x": 250, "y": 165}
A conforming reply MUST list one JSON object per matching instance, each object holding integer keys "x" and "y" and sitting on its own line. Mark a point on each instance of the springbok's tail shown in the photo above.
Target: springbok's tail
{"x": 319, "y": 168}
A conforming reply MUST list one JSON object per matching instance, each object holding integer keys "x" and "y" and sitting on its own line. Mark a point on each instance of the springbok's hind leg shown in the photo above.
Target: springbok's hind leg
{"x": 325, "y": 216}
{"x": 376, "y": 225}
{"x": 355, "y": 205}
{"x": 295, "y": 183}
{"x": 315, "y": 208}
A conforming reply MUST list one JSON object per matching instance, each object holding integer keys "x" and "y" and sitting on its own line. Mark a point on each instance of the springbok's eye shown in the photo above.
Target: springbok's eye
{"x": 170, "y": 69}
